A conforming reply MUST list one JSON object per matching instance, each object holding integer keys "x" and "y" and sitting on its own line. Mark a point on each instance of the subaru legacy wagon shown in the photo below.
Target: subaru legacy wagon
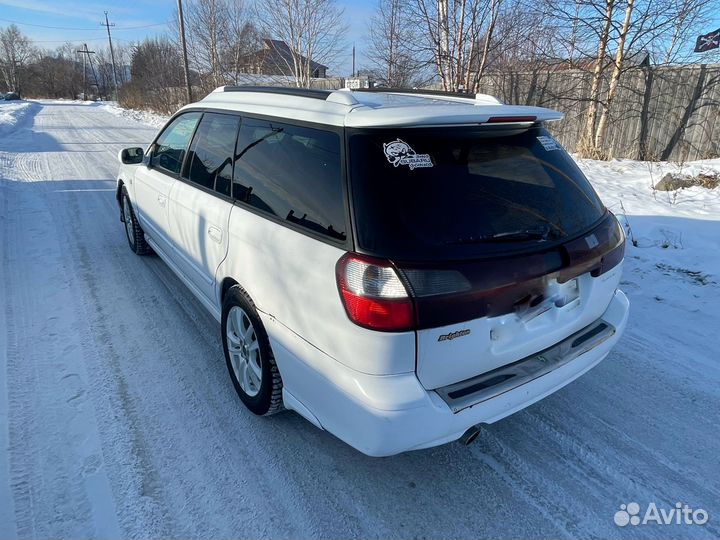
{"x": 397, "y": 267}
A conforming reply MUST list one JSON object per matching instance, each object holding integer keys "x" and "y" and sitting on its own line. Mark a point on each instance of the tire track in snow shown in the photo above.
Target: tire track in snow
{"x": 43, "y": 482}
{"x": 83, "y": 235}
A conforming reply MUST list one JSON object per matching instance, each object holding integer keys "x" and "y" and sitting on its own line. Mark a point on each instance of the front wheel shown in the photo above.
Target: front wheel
{"x": 248, "y": 355}
{"x": 133, "y": 231}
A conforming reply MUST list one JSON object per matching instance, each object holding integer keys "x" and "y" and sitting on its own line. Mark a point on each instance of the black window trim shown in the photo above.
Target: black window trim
{"x": 151, "y": 148}
{"x": 185, "y": 163}
{"x": 348, "y": 244}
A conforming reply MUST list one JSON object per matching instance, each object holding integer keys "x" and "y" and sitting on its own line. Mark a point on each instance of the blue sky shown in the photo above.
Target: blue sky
{"x": 80, "y": 21}
{"x": 136, "y": 19}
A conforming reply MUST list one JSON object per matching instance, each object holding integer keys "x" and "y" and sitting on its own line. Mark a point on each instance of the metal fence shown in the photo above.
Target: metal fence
{"x": 659, "y": 113}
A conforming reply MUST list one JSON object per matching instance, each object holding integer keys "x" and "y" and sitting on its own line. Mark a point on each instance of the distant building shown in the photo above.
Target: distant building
{"x": 275, "y": 58}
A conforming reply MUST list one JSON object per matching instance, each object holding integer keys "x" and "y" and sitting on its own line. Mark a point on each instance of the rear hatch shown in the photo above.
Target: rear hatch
{"x": 501, "y": 241}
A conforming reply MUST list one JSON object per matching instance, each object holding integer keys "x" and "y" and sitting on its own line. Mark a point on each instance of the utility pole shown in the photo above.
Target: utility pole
{"x": 85, "y": 56}
{"x": 184, "y": 50}
{"x": 16, "y": 71}
{"x": 353, "y": 71}
{"x": 107, "y": 24}
{"x": 92, "y": 68}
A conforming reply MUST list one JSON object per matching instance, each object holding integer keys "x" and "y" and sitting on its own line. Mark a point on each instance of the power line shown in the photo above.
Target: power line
{"x": 82, "y": 29}
{"x": 72, "y": 42}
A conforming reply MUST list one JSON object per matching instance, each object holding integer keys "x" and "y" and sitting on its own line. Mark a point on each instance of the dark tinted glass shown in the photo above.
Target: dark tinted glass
{"x": 171, "y": 145}
{"x": 458, "y": 193}
{"x": 293, "y": 173}
{"x": 211, "y": 152}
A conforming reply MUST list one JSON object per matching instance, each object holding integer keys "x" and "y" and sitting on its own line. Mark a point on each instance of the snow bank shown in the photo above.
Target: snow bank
{"x": 678, "y": 228}
{"x": 11, "y": 113}
{"x": 144, "y": 117}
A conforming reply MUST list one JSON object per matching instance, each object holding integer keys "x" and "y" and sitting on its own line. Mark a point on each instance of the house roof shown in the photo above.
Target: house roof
{"x": 277, "y": 52}
{"x": 370, "y": 109}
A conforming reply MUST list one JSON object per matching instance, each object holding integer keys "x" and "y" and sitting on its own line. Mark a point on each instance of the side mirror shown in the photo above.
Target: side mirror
{"x": 131, "y": 156}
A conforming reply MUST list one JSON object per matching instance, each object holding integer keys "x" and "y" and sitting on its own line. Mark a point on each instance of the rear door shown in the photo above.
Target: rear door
{"x": 496, "y": 233}
{"x": 200, "y": 201}
{"x": 154, "y": 181}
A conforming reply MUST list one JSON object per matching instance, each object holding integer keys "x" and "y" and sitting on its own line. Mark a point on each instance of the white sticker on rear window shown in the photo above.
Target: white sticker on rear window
{"x": 399, "y": 152}
{"x": 548, "y": 143}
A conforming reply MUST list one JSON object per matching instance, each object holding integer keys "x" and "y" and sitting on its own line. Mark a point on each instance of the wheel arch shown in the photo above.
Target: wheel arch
{"x": 118, "y": 191}
{"x": 225, "y": 286}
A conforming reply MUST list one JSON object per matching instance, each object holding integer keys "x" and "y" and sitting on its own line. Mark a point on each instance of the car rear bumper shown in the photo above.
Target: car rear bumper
{"x": 386, "y": 415}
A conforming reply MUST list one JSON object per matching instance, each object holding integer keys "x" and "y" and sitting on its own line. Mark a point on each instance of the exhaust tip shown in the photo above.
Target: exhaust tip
{"x": 469, "y": 436}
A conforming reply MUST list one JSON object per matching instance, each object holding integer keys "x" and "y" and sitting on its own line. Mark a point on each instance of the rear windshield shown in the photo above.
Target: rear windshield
{"x": 458, "y": 193}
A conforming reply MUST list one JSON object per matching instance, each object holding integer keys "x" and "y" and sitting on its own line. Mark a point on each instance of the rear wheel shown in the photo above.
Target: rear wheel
{"x": 248, "y": 355}
{"x": 133, "y": 231}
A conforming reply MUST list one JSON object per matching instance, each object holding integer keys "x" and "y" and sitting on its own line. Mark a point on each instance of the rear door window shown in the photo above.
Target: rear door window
{"x": 429, "y": 194}
{"x": 170, "y": 147}
{"x": 210, "y": 160}
{"x": 293, "y": 173}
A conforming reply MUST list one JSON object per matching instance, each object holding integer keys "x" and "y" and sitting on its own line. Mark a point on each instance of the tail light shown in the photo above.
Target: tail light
{"x": 373, "y": 295}
{"x": 414, "y": 296}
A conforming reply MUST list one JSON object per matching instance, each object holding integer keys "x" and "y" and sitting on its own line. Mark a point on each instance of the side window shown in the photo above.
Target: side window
{"x": 170, "y": 147}
{"x": 291, "y": 172}
{"x": 210, "y": 161}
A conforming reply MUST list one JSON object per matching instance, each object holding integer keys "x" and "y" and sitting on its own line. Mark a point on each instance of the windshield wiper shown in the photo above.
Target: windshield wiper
{"x": 524, "y": 235}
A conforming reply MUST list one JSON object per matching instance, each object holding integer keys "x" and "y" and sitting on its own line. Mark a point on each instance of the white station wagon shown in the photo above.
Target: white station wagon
{"x": 397, "y": 267}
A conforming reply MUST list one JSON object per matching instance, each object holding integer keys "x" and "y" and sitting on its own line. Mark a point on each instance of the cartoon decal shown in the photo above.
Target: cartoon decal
{"x": 399, "y": 152}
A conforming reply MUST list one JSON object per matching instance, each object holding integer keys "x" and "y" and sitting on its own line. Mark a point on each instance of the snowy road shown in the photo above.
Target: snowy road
{"x": 118, "y": 419}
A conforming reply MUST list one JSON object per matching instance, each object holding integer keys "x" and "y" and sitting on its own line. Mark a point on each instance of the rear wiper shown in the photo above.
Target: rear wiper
{"x": 524, "y": 235}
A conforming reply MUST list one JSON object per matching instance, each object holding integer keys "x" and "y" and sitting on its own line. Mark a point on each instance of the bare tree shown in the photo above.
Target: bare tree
{"x": 104, "y": 71}
{"x": 458, "y": 35}
{"x": 220, "y": 37}
{"x": 617, "y": 35}
{"x": 243, "y": 43}
{"x": 588, "y": 145}
{"x": 392, "y": 34}
{"x": 52, "y": 73}
{"x": 207, "y": 34}
{"x": 312, "y": 29}
{"x": 614, "y": 76}
{"x": 156, "y": 77}
{"x": 15, "y": 51}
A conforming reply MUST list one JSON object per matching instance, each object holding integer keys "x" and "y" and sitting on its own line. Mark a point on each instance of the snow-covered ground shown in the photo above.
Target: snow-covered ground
{"x": 118, "y": 419}
{"x": 143, "y": 117}
{"x": 11, "y": 112}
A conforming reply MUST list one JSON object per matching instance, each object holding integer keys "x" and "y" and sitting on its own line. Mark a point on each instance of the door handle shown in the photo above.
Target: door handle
{"x": 215, "y": 233}
{"x": 162, "y": 200}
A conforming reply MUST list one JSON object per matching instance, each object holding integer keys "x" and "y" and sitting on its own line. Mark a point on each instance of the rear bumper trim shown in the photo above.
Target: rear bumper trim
{"x": 464, "y": 394}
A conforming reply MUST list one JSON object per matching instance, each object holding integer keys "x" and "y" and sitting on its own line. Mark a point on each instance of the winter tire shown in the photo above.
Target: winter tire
{"x": 248, "y": 355}
{"x": 133, "y": 231}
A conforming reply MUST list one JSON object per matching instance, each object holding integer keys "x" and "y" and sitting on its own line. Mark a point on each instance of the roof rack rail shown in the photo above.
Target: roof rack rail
{"x": 439, "y": 93}
{"x": 314, "y": 93}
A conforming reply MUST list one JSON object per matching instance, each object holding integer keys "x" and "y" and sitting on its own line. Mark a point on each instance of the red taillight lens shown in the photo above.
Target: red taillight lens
{"x": 373, "y": 295}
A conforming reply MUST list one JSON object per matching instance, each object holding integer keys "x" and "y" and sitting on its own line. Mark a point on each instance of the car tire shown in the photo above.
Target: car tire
{"x": 133, "y": 231}
{"x": 248, "y": 355}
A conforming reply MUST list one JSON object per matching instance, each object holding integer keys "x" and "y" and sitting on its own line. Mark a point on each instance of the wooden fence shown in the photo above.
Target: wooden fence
{"x": 659, "y": 113}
